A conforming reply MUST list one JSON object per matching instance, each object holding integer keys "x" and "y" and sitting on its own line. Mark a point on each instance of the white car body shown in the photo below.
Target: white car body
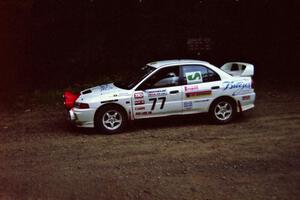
{"x": 183, "y": 99}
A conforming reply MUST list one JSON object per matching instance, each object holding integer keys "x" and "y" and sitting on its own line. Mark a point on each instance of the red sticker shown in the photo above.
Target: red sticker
{"x": 244, "y": 98}
{"x": 138, "y": 95}
{"x": 140, "y": 108}
{"x": 191, "y": 88}
{"x": 199, "y": 93}
{"x": 139, "y": 102}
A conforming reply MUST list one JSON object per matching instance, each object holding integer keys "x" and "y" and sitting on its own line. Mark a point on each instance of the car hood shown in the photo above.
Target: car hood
{"x": 104, "y": 91}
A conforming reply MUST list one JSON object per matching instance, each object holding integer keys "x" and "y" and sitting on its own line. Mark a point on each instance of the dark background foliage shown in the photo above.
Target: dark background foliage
{"x": 48, "y": 44}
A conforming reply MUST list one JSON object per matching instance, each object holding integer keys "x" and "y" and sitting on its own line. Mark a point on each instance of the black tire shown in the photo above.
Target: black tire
{"x": 108, "y": 128}
{"x": 220, "y": 110}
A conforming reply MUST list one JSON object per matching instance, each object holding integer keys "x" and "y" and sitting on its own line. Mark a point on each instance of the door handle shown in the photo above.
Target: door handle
{"x": 174, "y": 91}
{"x": 215, "y": 87}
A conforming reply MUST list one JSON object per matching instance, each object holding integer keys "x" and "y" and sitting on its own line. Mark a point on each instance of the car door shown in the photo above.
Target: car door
{"x": 159, "y": 95}
{"x": 201, "y": 86}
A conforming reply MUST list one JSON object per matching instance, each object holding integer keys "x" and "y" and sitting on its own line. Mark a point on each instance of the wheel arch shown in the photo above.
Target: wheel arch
{"x": 112, "y": 105}
{"x": 230, "y": 98}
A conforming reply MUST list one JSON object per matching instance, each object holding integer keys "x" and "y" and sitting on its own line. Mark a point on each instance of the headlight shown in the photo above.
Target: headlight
{"x": 81, "y": 105}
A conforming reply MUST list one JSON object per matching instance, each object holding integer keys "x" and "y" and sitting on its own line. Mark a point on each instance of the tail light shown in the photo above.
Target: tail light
{"x": 252, "y": 83}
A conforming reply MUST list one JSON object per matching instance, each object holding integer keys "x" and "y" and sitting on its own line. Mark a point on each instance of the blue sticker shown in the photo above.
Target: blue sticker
{"x": 239, "y": 86}
{"x": 188, "y": 105}
{"x": 236, "y": 85}
{"x": 106, "y": 87}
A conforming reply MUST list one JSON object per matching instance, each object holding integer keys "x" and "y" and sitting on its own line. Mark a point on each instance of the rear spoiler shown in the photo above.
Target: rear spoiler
{"x": 238, "y": 69}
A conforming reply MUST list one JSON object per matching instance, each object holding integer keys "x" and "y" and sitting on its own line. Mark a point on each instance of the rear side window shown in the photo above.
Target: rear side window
{"x": 193, "y": 74}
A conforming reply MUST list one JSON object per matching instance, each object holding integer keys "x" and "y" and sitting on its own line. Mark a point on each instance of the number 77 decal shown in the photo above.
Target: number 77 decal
{"x": 155, "y": 100}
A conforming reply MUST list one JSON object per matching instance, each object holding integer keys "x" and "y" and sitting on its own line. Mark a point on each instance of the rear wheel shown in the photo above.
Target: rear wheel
{"x": 110, "y": 119}
{"x": 222, "y": 111}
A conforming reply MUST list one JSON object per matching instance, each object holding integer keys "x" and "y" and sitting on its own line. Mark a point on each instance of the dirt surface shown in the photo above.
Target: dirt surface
{"x": 255, "y": 157}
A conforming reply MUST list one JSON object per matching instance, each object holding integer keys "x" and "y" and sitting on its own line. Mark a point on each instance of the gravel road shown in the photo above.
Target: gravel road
{"x": 255, "y": 157}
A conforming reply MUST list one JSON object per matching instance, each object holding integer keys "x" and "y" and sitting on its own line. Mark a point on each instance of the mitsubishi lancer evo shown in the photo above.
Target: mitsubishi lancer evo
{"x": 165, "y": 88}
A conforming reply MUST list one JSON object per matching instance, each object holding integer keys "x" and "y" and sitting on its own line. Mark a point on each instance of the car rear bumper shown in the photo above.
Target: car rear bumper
{"x": 245, "y": 101}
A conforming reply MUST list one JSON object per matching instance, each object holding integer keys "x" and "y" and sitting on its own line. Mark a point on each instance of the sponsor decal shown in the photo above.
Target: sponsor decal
{"x": 191, "y": 88}
{"x": 198, "y": 93}
{"x": 194, "y": 77}
{"x": 140, "y": 108}
{"x": 139, "y": 102}
{"x": 188, "y": 105}
{"x": 106, "y": 87}
{"x": 138, "y": 95}
{"x": 245, "y": 98}
{"x": 143, "y": 113}
{"x": 237, "y": 85}
{"x": 193, "y": 91}
{"x": 156, "y": 93}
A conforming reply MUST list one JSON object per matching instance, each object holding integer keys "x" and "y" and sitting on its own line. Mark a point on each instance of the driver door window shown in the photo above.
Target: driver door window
{"x": 166, "y": 77}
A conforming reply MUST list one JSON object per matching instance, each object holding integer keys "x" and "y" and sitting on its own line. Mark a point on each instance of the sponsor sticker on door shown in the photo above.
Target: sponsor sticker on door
{"x": 191, "y": 88}
{"x": 156, "y": 93}
{"x": 140, "y": 108}
{"x": 194, "y": 91}
{"x": 188, "y": 105}
{"x": 139, "y": 102}
{"x": 138, "y": 95}
{"x": 198, "y": 93}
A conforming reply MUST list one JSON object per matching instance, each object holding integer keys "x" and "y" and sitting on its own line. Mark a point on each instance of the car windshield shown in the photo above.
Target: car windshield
{"x": 134, "y": 78}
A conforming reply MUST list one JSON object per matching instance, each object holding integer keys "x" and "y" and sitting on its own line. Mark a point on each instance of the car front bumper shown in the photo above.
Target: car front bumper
{"x": 82, "y": 117}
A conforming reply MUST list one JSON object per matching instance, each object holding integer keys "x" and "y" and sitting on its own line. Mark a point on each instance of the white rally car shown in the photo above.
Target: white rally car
{"x": 165, "y": 88}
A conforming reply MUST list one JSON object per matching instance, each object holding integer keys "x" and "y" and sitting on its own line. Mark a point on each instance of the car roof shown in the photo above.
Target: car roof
{"x": 164, "y": 63}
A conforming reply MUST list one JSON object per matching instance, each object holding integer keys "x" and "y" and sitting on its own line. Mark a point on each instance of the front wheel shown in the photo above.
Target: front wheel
{"x": 110, "y": 119}
{"x": 222, "y": 111}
